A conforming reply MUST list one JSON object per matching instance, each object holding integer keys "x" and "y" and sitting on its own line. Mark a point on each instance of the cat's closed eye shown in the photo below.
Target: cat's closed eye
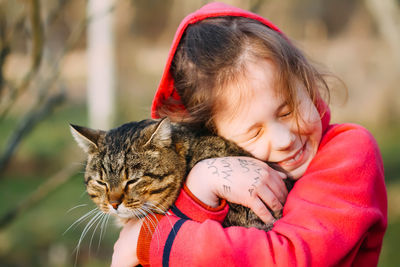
{"x": 101, "y": 183}
{"x": 131, "y": 182}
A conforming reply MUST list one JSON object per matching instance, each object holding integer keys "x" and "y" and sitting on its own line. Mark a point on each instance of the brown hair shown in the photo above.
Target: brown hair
{"x": 213, "y": 53}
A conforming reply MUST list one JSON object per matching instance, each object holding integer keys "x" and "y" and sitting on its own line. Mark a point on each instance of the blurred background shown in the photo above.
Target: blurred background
{"x": 51, "y": 59}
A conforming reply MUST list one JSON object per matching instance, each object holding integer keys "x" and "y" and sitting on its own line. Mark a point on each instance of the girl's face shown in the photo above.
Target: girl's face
{"x": 264, "y": 125}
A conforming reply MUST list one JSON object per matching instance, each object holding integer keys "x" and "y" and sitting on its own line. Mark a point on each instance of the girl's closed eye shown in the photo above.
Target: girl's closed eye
{"x": 285, "y": 112}
{"x": 256, "y": 133}
{"x": 248, "y": 137}
{"x": 253, "y": 135}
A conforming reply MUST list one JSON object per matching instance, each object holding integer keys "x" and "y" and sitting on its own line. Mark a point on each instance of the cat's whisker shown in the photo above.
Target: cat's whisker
{"x": 142, "y": 212}
{"x": 150, "y": 214}
{"x": 165, "y": 211}
{"x": 86, "y": 229}
{"x": 103, "y": 228}
{"x": 135, "y": 214}
{"x": 147, "y": 212}
{"x": 78, "y": 221}
{"x": 154, "y": 221}
{"x": 76, "y": 250}
{"x": 83, "y": 193}
{"x": 97, "y": 223}
{"x": 79, "y": 163}
{"x": 156, "y": 208}
{"x": 157, "y": 233}
{"x": 147, "y": 225}
{"x": 77, "y": 206}
{"x": 149, "y": 229}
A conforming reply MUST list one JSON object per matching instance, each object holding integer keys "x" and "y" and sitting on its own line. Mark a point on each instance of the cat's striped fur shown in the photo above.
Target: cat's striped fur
{"x": 139, "y": 167}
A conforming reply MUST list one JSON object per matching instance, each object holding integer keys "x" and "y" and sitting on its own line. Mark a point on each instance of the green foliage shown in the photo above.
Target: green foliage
{"x": 389, "y": 143}
{"x": 390, "y": 255}
{"x": 31, "y": 239}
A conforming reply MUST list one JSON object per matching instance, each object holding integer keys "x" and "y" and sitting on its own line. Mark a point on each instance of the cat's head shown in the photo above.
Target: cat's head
{"x": 132, "y": 170}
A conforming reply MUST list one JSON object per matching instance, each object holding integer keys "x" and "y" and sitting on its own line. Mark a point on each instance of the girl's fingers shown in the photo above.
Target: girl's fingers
{"x": 269, "y": 199}
{"x": 274, "y": 180}
{"x": 278, "y": 187}
{"x": 259, "y": 208}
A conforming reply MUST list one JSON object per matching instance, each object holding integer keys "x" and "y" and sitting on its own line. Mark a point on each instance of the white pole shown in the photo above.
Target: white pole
{"x": 101, "y": 64}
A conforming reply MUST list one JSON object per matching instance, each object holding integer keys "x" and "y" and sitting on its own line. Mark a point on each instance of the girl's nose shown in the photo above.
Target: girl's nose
{"x": 281, "y": 136}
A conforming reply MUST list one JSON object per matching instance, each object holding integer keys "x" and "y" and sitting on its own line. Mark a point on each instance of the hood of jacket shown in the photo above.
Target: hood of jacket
{"x": 166, "y": 88}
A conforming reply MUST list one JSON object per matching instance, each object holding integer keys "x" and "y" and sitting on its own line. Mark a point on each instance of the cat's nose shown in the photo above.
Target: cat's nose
{"x": 115, "y": 204}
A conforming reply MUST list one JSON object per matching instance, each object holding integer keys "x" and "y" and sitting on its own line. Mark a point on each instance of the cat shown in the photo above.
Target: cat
{"x": 139, "y": 167}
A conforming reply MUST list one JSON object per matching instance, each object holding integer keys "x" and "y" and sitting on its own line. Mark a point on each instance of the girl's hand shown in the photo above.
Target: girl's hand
{"x": 125, "y": 248}
{"x": 242, "y": 180}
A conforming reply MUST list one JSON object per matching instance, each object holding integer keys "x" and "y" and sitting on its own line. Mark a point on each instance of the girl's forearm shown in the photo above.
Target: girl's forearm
{"x": 242, "y": 180}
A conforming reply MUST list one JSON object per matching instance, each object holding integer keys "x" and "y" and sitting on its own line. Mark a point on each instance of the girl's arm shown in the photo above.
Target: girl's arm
{"x": 209, "y": 183}
{"x": 242, "y": 180}
{"x": 335, "y": 215}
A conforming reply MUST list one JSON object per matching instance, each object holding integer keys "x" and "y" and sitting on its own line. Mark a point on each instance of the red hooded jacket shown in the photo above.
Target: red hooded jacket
{"x": 336, "y": 215}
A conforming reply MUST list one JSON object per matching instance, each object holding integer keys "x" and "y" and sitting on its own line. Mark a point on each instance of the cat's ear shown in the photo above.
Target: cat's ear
{"x": 85, "y": 137}
{"x": 162, "y": 134}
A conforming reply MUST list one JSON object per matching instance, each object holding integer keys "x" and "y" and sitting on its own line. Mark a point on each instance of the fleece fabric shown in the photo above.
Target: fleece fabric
{"x": 336, "y": 214}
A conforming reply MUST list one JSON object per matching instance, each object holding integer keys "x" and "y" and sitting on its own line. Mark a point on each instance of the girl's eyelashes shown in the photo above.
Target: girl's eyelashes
{"x": 285, "y": 114}
{"x": 253, "y": 135}
{"x": 256, "y": 133}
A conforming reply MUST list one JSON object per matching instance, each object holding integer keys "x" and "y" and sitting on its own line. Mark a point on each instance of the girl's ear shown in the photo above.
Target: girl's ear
{"x": 161, "y": 136}
{"x": 86, "y": 138}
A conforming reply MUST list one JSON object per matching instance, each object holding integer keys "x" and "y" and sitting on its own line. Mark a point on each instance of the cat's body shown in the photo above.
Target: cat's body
{"x": 139, "y": 167}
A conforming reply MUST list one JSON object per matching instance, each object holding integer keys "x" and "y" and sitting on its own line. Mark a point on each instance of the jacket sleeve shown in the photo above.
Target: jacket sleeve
{"x": 336, "y": 214}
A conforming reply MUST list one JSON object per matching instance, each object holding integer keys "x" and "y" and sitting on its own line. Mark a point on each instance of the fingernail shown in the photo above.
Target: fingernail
{"x": 281, "y": 174}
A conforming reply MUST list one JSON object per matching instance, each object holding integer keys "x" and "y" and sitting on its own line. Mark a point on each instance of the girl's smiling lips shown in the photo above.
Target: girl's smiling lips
{"x": 295, "y": 159}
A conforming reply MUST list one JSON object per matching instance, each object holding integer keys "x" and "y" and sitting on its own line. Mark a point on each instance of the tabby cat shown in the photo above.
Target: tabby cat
{"x": 139, "y": 167}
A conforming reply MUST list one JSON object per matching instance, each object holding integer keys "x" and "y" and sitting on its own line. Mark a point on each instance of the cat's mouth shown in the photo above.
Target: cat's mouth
{"x": 128, "y": 213}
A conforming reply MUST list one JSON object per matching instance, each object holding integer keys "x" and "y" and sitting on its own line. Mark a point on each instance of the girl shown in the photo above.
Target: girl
{"x": 237, "y": 74}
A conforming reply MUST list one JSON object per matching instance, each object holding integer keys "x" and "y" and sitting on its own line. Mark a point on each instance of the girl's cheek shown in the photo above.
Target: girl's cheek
{"x": 259, "y": 150}
{"x": 309, "y": 120}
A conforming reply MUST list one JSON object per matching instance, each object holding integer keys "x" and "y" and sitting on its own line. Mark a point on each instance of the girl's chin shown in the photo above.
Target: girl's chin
{"x": 297, "y": 173}
{"x": 300, "y": 170}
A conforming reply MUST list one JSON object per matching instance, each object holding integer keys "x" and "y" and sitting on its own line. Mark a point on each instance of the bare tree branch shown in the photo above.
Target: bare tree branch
{"x": 33, "y": 117}
{"x": 55, "y": 13}
{"x": 36, "y": 56}
{"x": 49, "y": 186}
{"x": 4, "y": 49}
{"x": 6, "y": 36}
{"x": 27, "y": 124}
{"x": 40, "y": 110}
